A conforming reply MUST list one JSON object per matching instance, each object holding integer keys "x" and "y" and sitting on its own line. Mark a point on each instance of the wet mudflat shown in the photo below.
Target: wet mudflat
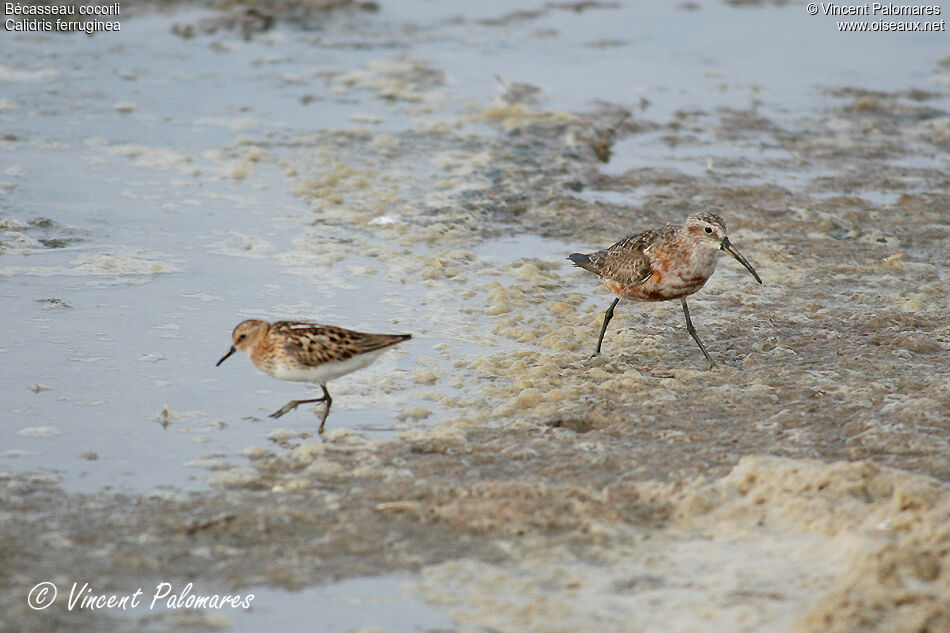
{"x": 369, "y": 170}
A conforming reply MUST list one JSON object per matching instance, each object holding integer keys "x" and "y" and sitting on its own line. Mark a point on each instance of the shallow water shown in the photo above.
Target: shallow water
{"x": 371, "y": 170}
{"x": 344, "y": 606}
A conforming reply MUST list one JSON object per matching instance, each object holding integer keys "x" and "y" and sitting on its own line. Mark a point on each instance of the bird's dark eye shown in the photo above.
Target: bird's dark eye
{"x": 708, "y": 230}
{"x": 242, "y": 337}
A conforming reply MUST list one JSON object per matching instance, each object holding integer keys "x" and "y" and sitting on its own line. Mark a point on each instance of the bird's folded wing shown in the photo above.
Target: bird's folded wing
{"x": 626, "y": 266}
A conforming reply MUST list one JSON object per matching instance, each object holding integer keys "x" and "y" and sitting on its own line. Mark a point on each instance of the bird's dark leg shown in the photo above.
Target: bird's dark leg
{"x": 692, "y": 332}
{"x": 293, "y": 404}
{"x": 326, "y": 412}
{"x": 609, "y": 314}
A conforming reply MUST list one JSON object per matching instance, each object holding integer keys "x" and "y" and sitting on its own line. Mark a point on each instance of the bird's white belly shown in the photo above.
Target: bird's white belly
{"x": 322, "y": 374}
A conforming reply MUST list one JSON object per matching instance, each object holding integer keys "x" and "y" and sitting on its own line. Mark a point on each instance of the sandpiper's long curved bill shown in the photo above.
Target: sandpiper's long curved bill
{"x": 729, "y": 248}
{"x": 234, "y": 349}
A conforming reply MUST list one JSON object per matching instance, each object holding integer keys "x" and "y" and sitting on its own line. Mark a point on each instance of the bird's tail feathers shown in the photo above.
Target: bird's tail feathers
{"x": 584, "y": 261}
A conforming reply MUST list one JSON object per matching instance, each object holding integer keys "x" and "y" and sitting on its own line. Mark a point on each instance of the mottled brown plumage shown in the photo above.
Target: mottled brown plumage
{"x": 671, "y": 262}
{"x": 308, "y": 352}
{"x": 311, "y": 345}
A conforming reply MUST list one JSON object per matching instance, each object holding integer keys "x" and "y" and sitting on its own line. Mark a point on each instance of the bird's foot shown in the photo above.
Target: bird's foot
{"x": 290, "y": 406}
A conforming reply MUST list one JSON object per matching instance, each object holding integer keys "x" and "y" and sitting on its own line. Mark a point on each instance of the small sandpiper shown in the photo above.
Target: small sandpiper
{"x": 671, "y": 262}
{"x": 308, "y": 352}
